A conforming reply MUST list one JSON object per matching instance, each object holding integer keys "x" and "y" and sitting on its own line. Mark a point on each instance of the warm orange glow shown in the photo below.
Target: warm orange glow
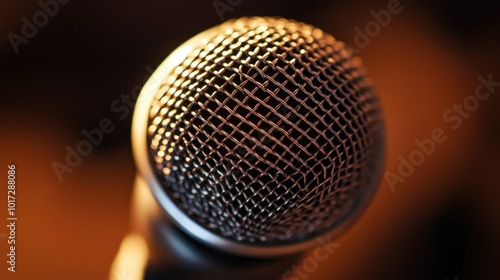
{"x": 131, "y": 259}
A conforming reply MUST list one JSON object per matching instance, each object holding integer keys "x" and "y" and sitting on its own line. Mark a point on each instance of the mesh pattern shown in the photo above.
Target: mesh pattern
{"x": 267, "y": 132}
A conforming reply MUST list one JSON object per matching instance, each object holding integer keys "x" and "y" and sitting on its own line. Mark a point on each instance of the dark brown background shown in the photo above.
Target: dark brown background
{"x": 441, "y": 223}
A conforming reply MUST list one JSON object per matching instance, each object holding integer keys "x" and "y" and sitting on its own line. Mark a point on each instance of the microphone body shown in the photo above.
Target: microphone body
{"x": 256, "y": 137}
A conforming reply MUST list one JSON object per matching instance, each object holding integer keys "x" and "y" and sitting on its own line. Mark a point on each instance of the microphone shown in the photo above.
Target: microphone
{"x": 260, "y": 135}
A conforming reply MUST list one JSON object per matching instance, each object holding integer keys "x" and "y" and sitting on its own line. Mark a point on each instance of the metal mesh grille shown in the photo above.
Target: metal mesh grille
{"x": 267, "y": 132}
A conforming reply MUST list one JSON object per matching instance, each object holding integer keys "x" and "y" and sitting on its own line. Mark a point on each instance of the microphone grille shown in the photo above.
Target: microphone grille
{"x": 266, "y": 132}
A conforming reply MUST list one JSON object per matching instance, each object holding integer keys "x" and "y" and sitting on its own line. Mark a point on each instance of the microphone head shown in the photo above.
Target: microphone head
{"x": 259, "y": 135}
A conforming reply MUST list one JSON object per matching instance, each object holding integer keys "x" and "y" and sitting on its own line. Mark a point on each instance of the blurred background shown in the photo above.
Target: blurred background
{"x": 69, "y": 66}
